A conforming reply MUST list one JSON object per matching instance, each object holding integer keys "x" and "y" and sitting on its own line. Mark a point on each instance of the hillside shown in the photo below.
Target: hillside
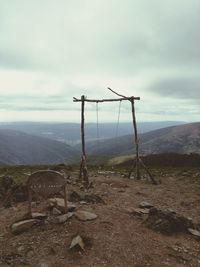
{"x": 70, "y": 132}
{"x": 17, "y": 148}
{"x": 181, "y": 139}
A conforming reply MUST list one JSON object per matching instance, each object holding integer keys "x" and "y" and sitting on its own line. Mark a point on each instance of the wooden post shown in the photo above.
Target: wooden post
{"x": 83, "y": 167}
{"x": 135, "y": 140}
{"x": 65, "y": 197}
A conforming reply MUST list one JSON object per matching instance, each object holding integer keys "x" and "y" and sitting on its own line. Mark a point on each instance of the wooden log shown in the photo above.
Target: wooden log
{"x": 135, "y": 140}
{"x": 83, "y": 161}
{"x": 105, "y": 100}
{"x": 149, "y": 173}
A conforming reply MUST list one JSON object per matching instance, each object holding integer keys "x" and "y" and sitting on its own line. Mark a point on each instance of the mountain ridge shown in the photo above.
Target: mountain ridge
{"x": 181, "y": 139}
{"x": 18, "y": 148}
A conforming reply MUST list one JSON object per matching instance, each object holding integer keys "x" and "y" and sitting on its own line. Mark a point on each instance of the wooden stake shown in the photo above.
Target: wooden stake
{"x": 83, "y": 167}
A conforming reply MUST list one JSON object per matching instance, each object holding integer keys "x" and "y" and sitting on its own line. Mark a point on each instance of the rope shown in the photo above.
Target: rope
{"x": 97, "y": 113}
{"x": 118, "y": 117}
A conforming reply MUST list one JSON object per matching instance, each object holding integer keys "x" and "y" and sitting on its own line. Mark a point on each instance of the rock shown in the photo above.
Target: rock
{"x": 55, "y": 211}
{"x": 140, "y": 212}
{"x": 194, "y": 232}
{"x": 76, "y": 196}
{"x": 83, "y": 215}
{"x": 60, "y": 204}
{"x": 83, "y": 202}
{"x": 44, "y": 263}
{"x": 77, "y": 242}
{"x": 81, "y": 196}
{"x": 22, "y": 226}
{"x": 61, "y": 218}
{"x": 167, "y": 222}
{"x": 39, "y": 216}
{"x": 145, "y": 204}
{"x": 20, "y": 249}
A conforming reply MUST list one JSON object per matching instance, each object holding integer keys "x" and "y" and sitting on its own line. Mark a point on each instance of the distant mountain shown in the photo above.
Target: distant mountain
{"x": 70, "y": 132}
{"x": 18, "y": 148}
{"x": 181, "y": 139}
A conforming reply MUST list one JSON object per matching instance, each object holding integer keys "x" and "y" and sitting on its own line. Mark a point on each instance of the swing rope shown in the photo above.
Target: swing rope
{"x": 118, "y": 117}
{"x": 97, "y": 114}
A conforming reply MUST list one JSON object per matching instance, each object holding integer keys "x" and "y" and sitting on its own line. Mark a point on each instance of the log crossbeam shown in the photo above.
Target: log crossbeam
{"x": 106, "y": 100}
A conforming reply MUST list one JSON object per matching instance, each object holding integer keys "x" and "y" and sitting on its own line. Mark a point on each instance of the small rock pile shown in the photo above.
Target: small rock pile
{"x": 55, "y": 216}
{"x": 165, "y": 221}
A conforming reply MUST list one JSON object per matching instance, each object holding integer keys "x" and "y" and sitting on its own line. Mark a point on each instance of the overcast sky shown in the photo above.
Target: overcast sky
{"x": 52, "y": 50}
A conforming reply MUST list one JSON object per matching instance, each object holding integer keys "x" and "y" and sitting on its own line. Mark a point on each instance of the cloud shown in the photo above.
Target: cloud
{"x": 182, "y": 88}
{"x": 52, "y": 50}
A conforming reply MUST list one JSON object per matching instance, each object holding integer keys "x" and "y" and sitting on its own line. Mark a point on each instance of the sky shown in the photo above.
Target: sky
{"x": 52, "y": 51}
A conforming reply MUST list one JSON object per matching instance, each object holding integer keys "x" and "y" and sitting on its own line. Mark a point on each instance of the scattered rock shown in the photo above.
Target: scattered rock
{"x": 77, "y": 242}
{"x": 61, "y": 218}
{"x": 83, "y": 202}
{"x": 23, "y": 226}
{"x": 39, "y": 216}
{"x": 145, "y": 204}
{"x": 59, "y": 203}
{"x": 55, "y": 211}
{"x": 83, "y": 215}
{"x": 140, "y": 212}
{"x": 44, "y": 263}
{"x": 194, "y": 232}
{"x": 82, "y": 196}
{"x": 167, "y": 222}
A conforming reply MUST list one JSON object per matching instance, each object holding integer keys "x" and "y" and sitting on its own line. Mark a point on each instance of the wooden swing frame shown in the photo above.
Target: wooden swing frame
{"x": 83, "y": 174}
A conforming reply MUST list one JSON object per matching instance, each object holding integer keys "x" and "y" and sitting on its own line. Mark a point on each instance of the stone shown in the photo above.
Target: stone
{"x": 145, "y": 204}
{"x": 38, "y": 215}
{"x": 55, "y": 211}
{"x": 83, "y": 202}
{"x": 59, "y": 203}
{"x": 22, "y": 226}
{"x": 77, "y": 241}
{"x": 83, "y": 215}
{"x": 44, "y": 263}
{"x": 194, "y": 232}
{"x": 61, "y": 218}
{"x": 167, "y": 222}
{"x": 89, "y": 198}
{"x": 140, "y": 211}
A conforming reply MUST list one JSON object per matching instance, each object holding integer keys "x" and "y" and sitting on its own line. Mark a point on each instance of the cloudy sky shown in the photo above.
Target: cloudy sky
{"x": 53, "y": 50}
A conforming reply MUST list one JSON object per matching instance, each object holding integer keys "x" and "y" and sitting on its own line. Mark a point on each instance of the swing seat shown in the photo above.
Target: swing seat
{"x": 46, "y": 183}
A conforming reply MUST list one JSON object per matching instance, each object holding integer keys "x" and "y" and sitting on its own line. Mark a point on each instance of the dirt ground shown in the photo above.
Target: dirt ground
{"x": 116, "y": 237}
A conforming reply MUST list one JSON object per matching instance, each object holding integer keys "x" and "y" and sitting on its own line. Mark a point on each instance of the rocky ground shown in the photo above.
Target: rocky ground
{"x": 119, "y": 235}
